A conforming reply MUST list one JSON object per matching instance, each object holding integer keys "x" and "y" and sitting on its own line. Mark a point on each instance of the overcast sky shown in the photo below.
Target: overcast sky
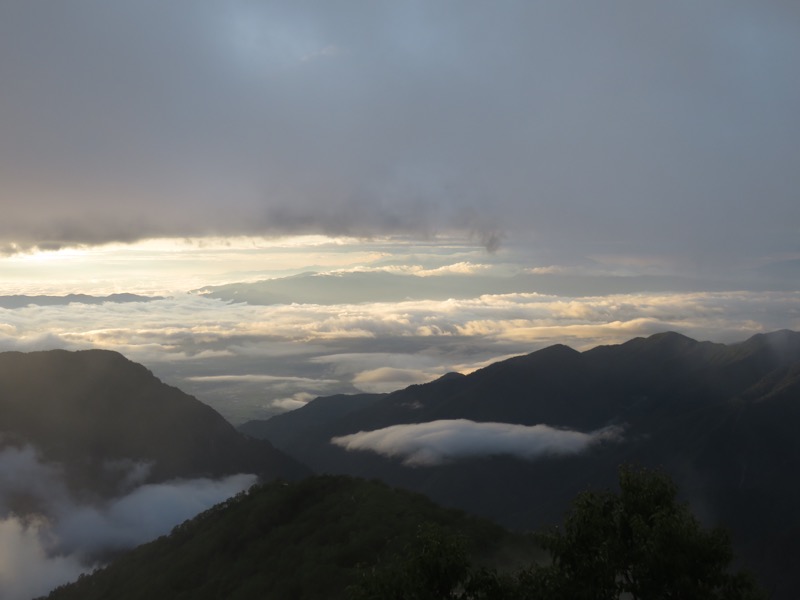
{"x": 471, "y": 180}
{"x": 620, "y": 128}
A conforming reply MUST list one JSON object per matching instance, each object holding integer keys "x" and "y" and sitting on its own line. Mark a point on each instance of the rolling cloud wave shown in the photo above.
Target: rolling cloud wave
{"x": 441, "y": 442}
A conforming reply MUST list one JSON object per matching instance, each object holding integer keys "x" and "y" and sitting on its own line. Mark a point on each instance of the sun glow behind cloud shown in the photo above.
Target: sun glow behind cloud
{"x": 243, "y": 359}
{"x": 168, "y": 265}
{"x": 377, "y": 315}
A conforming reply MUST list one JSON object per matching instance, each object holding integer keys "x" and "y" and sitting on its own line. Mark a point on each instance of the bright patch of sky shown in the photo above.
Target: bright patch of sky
{"x": 163, "y": 266}
{"x": 257, "y": 326}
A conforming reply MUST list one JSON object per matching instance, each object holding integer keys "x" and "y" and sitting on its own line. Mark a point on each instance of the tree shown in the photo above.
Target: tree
{"x": 641, "y": 542}
{"x": 435, "y": 567}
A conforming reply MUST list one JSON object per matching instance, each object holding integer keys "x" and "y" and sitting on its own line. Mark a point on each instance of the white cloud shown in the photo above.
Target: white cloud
{"x": 388, "y": 379}
{"x": 297, "y": 400}
{"x": 22, "y": 474}
{"x": 53, "y": 538}
{"x": 241, "y": 358}
{"x": 27, "y": 568}
{"x": 459, "y": 268}
{"x": 440, "y": 442}
{"x": 142, "y": 515}
{"x": 135, "y": 473}
{"x": 549, "y": 270}
{"x": 252, "y": 378}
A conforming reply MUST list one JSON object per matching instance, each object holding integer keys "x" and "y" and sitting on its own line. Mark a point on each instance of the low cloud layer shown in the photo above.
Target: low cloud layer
{"x": 28, "y": 569}
{"x": 445, "y": 441}
{"x": 63, "y": 538}
{"x": 251, "y": 361}
{"x": 344, "y": 330}
{"x": 142, "y": 515}
{"x": 388, "y": 379}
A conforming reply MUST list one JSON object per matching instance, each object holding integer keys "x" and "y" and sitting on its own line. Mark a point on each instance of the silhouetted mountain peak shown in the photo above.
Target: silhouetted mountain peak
{"x": 558, "y": 350}
{"x": 721, "y": 418}
{"x": 82, "y": 409}
{"x": 550, "y": 355}
{"x": 782, "y": 343}
{"x": 671, "y": 340}
{"x": 451, "y": 376}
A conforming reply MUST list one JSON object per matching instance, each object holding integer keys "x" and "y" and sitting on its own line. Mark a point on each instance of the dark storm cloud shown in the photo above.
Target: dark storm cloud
{"x": 607, "y": 129}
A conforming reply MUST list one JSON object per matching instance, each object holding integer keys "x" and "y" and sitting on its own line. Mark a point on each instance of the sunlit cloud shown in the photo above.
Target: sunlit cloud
{"x": 388, "y": 379}
{"x": 258, "y": 379}
{"x": 163, "y": 266}
{"x": 297, "y": 400}
{"x": 255, "y": 354}
{"x": 459, "y": 268}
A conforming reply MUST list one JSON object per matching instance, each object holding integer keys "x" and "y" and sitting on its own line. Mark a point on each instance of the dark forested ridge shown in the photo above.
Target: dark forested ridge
{"x": 306, "y": 540}
{"x": 84, "y": 409}
{"x": 336, "y": 537}
{"x": 721, "y": 419}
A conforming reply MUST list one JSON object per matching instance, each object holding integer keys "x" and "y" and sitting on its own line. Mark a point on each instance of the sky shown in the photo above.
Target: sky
{"x": 322, "y": 197}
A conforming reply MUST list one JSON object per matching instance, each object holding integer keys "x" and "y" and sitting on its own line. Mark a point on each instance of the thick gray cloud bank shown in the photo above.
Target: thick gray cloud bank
{"x": 63, "y": 538}
{"x": 608, "y": 128}
{"x": 444, "y": 441}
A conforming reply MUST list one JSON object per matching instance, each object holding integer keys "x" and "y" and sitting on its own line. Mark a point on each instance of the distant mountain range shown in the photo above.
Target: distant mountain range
{"x": 721, "y": 419}
{"x": 21, "y": 301}
{"x": 352, "y": 287}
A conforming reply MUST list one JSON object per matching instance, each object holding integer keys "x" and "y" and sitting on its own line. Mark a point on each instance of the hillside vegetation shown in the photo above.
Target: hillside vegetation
{"x": 336, "y": 537}
{"x": 720, "y": 419}
{"x": 308, "y": 540}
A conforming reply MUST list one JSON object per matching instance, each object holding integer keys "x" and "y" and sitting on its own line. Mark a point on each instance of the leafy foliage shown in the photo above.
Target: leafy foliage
{"x": 641, "y": 542}
{"x": 436, "y": 566}
{"x": 307, "y": 540}
{"x": 336, "y": 537}
{"x": 728, "y": 412}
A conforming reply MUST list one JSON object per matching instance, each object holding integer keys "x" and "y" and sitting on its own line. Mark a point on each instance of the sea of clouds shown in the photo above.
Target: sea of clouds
{"x": 252, "y": 361}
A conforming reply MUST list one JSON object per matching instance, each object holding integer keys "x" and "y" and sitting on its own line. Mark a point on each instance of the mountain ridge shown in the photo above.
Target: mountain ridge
{"x": 309, "y": 539}
{"x": 83, "y": 409}
{"x": 720, "y": 418}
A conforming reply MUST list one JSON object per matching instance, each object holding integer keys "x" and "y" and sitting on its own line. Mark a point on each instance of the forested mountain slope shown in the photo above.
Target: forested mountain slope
{"x": 306, "y": 540}
{"x": 721, "y": 419}
{"x": 90, "y": 409}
